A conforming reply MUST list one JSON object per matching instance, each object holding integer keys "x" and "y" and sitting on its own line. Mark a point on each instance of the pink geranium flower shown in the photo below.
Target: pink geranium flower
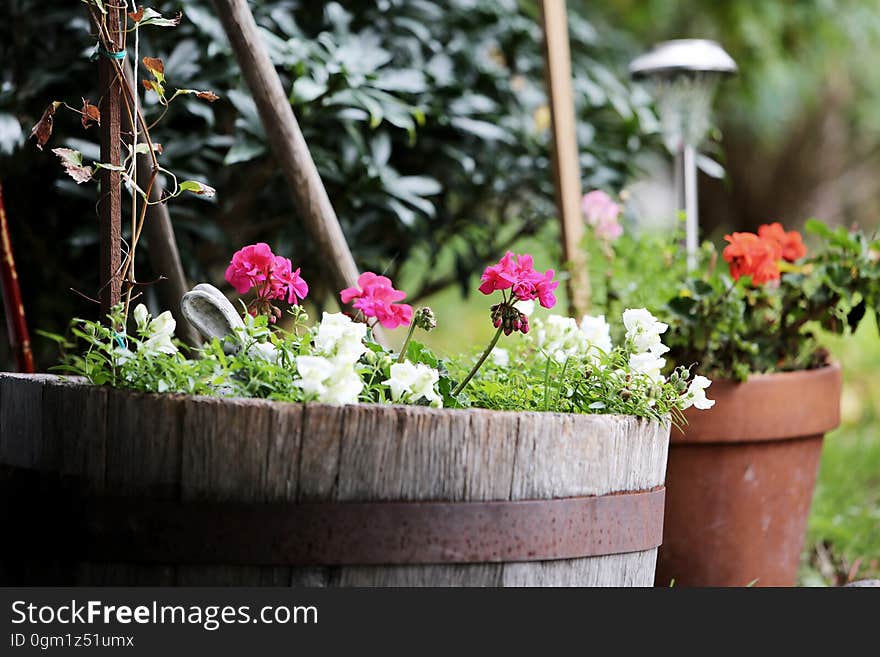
{"x": 272, "y": 277}
{"x": 376, "y": 297}
{"x": 250, "y": 267}
{"x": 499, "y": 277}
{"x": 518, "y": 273}
{"x": 603, "y": 214}
{"x": 287, "y": 283}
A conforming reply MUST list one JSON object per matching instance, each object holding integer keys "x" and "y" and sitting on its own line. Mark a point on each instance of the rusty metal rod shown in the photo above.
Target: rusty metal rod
{"x": 19, "y": 338}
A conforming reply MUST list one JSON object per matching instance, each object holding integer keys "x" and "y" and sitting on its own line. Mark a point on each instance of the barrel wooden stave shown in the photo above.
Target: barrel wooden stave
{"x": 173, "y": 447}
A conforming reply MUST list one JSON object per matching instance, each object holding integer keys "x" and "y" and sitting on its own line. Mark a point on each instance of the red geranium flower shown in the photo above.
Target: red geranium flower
{"x": 751, "y": 255}
{"x": 790, "y": 243}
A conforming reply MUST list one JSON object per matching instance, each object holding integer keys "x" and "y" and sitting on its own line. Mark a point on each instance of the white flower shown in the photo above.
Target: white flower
{"x": 330, "y": 381}
{"x": 525, "y": 306}
{"x": 559, "y": 337}
{"x": 141, "y": 316}
{"x": 345, "y": 388}
{"x": 501, "y": 357}
{"x": 341, "y": 338}
{"x": 410, "y": 382}
{"x": 159, "y": 333}
{"x": 643, "y": 330}
{"x": 597, "y": 332}
{"x": 696, "y": 394}
{"x": 648, "y": 363}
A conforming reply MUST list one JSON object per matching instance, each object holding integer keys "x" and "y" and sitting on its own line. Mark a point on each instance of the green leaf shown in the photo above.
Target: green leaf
{"x": 481, "y": 129}
{"x": 817, "y": 227}
{"x": 196, "y": 187}
{"x": 153, "y": 17}
{"x": 856, "y": 314}
{"x": 416, "y": 352}
{"x": 244, "y": 151}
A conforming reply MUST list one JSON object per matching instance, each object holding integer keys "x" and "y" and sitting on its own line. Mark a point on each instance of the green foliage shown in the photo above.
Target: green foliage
{"x": 427, "y": 121}
{"x": 732, "y": 328}
{"x": 594, "y": 382}
{"x": 598, "y": 384}
{"x": 843, "y": 541}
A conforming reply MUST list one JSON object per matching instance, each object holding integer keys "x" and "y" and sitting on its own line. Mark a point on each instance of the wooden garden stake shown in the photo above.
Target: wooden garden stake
{"x": 19, "y": 339}
{"x": 287, "y": 142}
{"x": 566, "y": 167}
{"x": 110, "y": 195}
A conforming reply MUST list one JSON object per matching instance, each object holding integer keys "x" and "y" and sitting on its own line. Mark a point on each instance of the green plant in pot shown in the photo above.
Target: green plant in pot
{"x": 741, "y": 476}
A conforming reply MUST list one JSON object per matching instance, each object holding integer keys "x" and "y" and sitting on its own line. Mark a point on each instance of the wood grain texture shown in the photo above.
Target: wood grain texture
{"x": 190, "y": 449}
{"x": 288, "y": 144}
{"x": 110, "y": 193}
{"x": 566, "y": 159}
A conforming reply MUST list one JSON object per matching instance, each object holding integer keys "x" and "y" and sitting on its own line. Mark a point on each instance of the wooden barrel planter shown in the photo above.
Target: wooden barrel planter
{"x": 113, "y": 487}
{"x": 741, "y": 479}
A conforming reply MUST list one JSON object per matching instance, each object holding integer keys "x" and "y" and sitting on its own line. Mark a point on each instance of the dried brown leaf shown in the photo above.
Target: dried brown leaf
{"x": 90, "y": 114}
{"x": 136, "y": 16}
{"x": 155, "y": 66}
{"x": 43, "y": 128}
{"x": 210, "y": 96}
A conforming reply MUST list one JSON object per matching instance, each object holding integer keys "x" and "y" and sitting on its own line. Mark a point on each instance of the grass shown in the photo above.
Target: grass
{"x": 843, "y": 539}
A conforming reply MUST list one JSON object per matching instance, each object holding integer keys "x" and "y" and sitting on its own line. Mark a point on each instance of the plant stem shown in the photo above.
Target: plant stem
{"x": 479, "y": 363}
{"x": 547, "y": 385}
{"x": 412, "y": 328}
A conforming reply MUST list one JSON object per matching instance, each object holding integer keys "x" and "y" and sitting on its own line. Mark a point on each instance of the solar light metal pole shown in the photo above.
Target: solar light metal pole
{"x": 684, "y": 74}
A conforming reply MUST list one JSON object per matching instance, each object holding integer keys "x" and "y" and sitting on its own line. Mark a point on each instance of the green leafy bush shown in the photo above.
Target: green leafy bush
{"x": 733, "y": 325}
{"x": 427, "y": 121}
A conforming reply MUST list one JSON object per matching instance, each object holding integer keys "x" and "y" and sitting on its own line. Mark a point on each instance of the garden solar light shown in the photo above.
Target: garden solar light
{"x": 684, "y": 74}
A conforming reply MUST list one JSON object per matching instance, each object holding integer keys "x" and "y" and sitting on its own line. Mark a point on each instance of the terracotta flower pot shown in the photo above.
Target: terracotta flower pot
{"x": 741, "y": 477}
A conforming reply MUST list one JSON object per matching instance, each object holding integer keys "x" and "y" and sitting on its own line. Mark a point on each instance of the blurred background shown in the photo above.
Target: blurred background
{"x": 429, "y": 124}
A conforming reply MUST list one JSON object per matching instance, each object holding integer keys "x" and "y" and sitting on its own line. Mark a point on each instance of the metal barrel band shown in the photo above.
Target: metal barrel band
{"x": 362, "y": 533}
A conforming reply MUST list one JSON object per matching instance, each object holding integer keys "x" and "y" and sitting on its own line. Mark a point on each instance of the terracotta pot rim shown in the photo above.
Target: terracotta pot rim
{"x": 775, "y": 406}
{"x": 779, "y": 376}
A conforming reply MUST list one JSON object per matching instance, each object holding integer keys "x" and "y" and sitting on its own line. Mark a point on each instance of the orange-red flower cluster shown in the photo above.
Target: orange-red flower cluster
{"x": 758, "y": 255}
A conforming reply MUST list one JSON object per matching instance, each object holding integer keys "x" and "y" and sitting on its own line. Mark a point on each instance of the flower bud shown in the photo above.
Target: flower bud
{"x": 425, "y": 320}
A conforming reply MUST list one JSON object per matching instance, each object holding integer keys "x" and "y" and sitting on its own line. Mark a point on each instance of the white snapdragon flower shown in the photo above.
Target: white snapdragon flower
{"x": 597, "y": 332}
{"x": 410, "y": 382}
{"x": 559, "y": 337}
{"x": 648, "y": 363}
{"x": 562, "y": 338}
{"x": 341, "y": 338}
{"x": 330, "y": 380}
{"x": 501, "y": 357}
{"x": 141, "y": 316}
{"x": 158, "y": 331}
{"x": 643, "y": 330}
{"x": 696, "y": 394}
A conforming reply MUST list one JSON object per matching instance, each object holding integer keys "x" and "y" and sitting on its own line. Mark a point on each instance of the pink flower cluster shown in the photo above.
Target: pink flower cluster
{"x": 603, "y": 214}
{"x": 517, "y": 273}
{"x": 273, "y": 277}
{"x": 375, "y": 296}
